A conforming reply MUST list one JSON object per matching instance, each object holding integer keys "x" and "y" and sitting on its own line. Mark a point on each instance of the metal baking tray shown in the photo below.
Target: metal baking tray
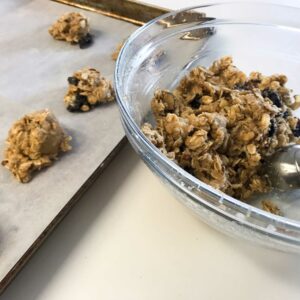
{"x": 33, "y": 75}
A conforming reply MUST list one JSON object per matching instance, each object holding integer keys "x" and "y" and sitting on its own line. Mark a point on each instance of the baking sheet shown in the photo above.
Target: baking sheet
{"x": 136, "y": 12}
{"x": 33, "y": 75}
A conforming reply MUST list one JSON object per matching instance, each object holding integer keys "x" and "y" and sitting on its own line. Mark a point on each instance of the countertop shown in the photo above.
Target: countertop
{"x": 129, "y": 238}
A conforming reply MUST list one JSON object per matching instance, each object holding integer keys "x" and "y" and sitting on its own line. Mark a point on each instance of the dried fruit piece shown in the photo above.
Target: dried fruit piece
{"x": 273, "y": 96}
{"x": 296, "y": 131}
{"x": 272, "y": 128}
{"x": 73, "y": 80}
{"x": 85, "y": 41}
{"x": 196, "y": 102}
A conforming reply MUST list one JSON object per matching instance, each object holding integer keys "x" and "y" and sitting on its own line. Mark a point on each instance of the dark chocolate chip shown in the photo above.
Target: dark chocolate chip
{"x": 272, "y": 128}
{"x": 73, "y": 80}
{"x": 196, "y": 102}
{"x": 296, "y": 131}
{"x": 85, "y": 41}
{"x": 273, "y": 96}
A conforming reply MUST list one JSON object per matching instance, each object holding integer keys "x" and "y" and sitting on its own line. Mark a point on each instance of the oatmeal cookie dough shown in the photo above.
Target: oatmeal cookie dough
{"x": 219, "y": 124}
{"x": 115, "y": 54}
{"x": 87, "y": 89}
{"x": 33, "y": 143}
{"x": 73, "y": 28}
{"x": 271, "y": 207}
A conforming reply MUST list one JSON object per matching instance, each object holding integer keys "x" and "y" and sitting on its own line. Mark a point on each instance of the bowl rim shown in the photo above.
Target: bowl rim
{"x": 196, "y": 183}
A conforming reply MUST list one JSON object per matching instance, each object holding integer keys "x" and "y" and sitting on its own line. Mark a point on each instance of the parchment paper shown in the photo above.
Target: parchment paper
{"x": 33, "y": 75}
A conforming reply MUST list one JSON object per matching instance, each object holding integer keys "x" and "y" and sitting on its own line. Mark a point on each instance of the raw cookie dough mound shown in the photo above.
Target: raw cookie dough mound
{"x": 220, "y": 124}
{"x": 73, "y": 28}
{"x": 33, "y": 143}
{"x": 87, "y": 89}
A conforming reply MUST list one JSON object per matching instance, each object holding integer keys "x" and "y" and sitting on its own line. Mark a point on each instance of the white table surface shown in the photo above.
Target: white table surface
{"x": 128, "y": 238}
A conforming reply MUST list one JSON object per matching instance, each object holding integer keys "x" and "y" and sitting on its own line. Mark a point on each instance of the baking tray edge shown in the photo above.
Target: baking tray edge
{"x": 59, "y": 217}
{"x": 135, "y": 12}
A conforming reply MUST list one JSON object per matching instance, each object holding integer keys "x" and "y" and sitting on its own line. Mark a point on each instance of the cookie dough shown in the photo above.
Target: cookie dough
{"x": 87, "y": 89}
{"x": 33, "y": 143}
{"x": 271, "y": 207}
{"x": 115, "y": 54}
{"x": 73, "y": 28}
{"x": 219, "y": 124}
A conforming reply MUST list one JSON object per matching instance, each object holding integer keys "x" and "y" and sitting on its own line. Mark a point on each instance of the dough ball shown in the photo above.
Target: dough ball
{"x": 33, "y": 143}
{"x": 73, "y": 28}
{"x": 87, "y": 89}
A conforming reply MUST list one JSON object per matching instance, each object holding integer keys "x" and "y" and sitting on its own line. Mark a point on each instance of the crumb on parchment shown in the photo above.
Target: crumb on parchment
{"x": 116, "y": 52}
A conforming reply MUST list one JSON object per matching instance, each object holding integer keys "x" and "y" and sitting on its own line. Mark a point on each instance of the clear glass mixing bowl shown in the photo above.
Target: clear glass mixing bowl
{"x": 259, "y": 37}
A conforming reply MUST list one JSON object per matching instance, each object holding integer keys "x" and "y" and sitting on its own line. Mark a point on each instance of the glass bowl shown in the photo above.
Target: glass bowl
{"x": 259, "y": 37}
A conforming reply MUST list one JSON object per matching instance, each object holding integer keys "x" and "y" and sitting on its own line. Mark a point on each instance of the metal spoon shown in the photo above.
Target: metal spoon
{"x": 283, "y": 168}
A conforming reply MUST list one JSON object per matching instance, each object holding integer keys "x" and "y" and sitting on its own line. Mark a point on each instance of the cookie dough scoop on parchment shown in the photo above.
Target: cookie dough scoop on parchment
{"x": 33, "y": 143}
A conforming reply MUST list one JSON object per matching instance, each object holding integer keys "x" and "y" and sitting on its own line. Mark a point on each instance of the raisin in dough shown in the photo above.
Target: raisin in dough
{"x": 73, "y": 28}
{"x": 33, "y": 143}
{"x": 87, "y": 89}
